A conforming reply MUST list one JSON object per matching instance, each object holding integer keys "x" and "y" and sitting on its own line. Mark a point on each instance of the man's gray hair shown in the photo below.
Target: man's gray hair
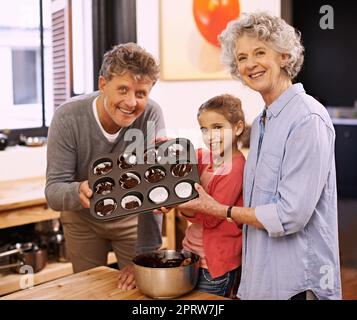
{"x": 273, "y": 30}
{"x": 129, "y": 57}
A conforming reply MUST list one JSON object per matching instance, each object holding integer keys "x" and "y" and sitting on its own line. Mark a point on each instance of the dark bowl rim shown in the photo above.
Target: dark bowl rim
{"x": 197, "y": 257}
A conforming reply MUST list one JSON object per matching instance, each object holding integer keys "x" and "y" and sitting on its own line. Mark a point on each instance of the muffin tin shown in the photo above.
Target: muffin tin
{"x": 129, "y": 183}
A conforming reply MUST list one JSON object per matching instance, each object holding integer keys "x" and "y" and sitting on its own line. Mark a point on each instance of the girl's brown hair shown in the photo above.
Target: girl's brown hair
{"x": 230, "y": 107}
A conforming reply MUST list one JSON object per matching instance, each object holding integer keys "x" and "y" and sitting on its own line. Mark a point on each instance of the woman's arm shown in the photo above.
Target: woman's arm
{"x": 207, "y": 205}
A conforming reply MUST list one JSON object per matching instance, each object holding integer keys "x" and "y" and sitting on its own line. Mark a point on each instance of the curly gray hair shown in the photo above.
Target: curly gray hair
{"x": 273, "y": 30}
{"x": 129, "y": 57}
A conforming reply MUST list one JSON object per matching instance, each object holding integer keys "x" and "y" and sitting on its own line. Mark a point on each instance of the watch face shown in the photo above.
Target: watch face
{"x": 229, "y": 219}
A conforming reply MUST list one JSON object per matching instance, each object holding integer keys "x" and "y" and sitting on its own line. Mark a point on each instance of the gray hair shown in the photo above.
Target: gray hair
{"x": 273, "y": 30}
{"x": 129, "y": 57}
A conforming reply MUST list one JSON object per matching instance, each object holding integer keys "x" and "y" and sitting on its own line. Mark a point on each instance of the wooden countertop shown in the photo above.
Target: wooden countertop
{"x": 95, "y": 284}
{"x": 15, "y": 194}
{"x": 23, "y": 201}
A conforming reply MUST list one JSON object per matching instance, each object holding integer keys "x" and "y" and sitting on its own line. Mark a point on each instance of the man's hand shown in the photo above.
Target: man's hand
{"x": 85, "y": 193}
{"x": 126, "y": 279}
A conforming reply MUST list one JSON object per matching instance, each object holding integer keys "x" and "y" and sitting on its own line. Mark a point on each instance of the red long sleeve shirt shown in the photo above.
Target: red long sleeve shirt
{"x": 222, "y": 240}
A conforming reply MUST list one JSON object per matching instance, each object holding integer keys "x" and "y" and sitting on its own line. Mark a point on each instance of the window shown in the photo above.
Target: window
{"x": 37, "y": 61}
{"x": 21, "y": 96}
{"x": 47, "y": 54}
{"x": 25, "y": 84}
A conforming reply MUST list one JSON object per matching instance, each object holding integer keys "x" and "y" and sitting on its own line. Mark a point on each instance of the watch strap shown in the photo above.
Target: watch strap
{"x": 229, "y": 214}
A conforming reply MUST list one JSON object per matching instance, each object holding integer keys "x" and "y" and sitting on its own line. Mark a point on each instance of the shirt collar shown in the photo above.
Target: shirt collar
{"x": 279, "y": 104}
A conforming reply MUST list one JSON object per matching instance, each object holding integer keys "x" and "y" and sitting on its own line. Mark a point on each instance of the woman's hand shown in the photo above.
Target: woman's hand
{"x": 126, "y": 279}
{"x": 203, "y": 204}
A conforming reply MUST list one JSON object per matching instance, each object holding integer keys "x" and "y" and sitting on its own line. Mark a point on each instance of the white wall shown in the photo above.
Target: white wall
{"x": 181, "y": 99}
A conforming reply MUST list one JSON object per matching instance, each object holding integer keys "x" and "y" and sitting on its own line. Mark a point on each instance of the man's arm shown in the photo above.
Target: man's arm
{"x": 62, "y": 191}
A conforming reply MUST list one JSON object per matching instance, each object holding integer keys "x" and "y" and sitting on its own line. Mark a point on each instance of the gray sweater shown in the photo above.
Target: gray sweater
{"x": 74, "y": 139}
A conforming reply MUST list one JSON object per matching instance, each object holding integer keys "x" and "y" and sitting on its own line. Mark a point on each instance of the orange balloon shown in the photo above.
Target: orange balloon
{"x": 212, "y": 16}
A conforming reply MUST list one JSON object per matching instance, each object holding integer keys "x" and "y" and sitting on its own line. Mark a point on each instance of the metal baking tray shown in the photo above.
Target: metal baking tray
{"x": 130, "y": 183}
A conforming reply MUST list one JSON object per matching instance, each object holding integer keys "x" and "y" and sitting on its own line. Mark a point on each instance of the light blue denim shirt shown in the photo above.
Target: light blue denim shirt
{"x": 292, "y": 186}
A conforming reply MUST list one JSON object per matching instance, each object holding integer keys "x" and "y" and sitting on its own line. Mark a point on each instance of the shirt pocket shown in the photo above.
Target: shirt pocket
{"x": 267, "y": 172}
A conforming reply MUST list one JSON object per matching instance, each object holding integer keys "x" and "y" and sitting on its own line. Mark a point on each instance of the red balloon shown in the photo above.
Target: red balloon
{"x": 212, "y": 16}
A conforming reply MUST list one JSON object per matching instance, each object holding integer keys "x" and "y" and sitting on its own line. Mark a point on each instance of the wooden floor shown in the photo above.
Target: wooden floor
{"x": 347, "y": 221}
{"x": 349, "y": 283}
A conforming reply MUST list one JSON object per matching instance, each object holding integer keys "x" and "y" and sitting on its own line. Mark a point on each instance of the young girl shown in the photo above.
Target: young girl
{"x": 219, "y": 242}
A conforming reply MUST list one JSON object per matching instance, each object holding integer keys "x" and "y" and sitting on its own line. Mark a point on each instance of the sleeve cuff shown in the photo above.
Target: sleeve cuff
{"x": 268, "y": 216}
{"x": 71, "y": 199}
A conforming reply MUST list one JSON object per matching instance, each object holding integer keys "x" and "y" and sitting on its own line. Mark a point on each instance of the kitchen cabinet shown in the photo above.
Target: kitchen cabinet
{"x": 346, "y": 157}
{"x": 23, "y": 202}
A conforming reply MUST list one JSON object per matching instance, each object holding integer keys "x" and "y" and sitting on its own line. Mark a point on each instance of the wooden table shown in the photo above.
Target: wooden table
{"x": 96, "y": 284}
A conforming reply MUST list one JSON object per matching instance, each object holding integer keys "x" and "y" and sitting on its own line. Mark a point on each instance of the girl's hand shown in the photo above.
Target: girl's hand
{"x": 162, "y": 210}
{"x": 203, "y": 204}
{"x": 162, "y": 139}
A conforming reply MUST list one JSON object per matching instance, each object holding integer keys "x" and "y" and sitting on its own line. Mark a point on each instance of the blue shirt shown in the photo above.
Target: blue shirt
{"x": 292, "y": 186}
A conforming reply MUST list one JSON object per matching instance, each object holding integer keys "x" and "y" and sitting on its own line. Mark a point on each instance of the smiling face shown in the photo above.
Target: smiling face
{"x": 219, "y": 135}
{"x": 261, "y": 67}
{"x": 122, "y": 100}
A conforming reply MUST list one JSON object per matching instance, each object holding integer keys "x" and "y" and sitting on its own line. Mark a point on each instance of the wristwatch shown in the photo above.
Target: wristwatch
{"x": 229, "y": 214}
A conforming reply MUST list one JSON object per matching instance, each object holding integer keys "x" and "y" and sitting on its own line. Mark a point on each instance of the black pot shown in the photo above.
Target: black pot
{"x": 59, "y": 245}
{"x": 25, "y": 254}
{"x": 48, "y": 226}
{"x": 3, "y": 141}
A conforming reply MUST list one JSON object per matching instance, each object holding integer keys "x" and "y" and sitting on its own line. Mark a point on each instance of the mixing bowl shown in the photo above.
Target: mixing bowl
{"x": 166, "y": 274}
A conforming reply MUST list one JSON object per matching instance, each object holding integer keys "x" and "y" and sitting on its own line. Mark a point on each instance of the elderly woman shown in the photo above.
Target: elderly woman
{"x": 290, "y": 234}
